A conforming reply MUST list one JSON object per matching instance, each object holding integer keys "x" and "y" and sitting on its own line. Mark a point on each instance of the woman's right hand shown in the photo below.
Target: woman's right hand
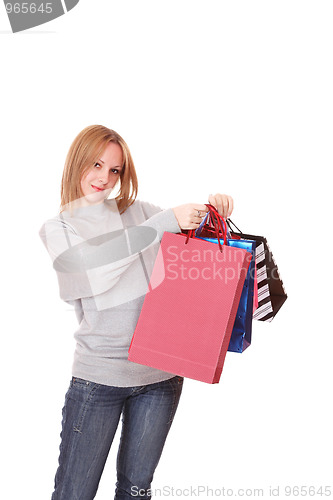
{"x": 190, "y": 215}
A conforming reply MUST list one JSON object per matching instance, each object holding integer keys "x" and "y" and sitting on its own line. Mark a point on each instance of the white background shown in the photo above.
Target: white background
{"x": 211, "y": 96}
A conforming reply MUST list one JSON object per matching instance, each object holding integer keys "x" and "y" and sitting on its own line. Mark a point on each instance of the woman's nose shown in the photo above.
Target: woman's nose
{"x": 104, "y": 176}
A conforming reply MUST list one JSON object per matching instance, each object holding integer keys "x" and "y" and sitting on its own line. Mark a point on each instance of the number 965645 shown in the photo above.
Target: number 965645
{"x": 29, "y": 8}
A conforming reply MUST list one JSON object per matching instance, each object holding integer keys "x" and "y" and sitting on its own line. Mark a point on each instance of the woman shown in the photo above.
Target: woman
{"x": 103, "y": 251}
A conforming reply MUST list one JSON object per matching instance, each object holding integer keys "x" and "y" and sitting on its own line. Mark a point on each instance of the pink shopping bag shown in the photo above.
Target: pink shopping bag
{"x": 186, "y": 321}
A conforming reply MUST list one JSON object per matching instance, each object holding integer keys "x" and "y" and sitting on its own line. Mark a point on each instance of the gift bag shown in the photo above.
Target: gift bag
{"x": 255, "y": 289}
{"x": 271, "y": 291}
{"x": 186, "y": 321}
{"x": 242, "y": 329}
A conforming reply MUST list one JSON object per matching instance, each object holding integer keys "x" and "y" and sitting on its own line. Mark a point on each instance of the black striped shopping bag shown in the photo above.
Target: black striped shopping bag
{"x": 271, "y": 291}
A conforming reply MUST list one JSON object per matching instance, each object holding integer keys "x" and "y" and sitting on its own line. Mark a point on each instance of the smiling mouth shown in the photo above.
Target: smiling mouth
{"x": 97, "y": 188}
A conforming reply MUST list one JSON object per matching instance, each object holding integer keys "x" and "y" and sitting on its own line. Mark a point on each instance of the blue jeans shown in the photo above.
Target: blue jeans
{"x": 90, "y": 418}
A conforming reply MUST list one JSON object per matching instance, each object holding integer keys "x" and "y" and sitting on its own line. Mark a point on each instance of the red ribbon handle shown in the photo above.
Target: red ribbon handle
{"x": 218, "y": 223}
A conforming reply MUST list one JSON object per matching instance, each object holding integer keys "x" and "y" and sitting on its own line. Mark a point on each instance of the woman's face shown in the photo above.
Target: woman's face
{"x": 100, "y": 179}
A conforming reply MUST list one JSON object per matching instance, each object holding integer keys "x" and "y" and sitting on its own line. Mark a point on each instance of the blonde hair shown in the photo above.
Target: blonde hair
{"x": 83, "y": 153}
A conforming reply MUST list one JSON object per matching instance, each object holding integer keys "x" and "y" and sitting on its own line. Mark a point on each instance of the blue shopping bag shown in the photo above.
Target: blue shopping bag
{"x": 242, "y": 329}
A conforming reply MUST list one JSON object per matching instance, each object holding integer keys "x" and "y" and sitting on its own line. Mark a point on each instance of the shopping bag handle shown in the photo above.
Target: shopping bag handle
{"x": 214, "y": 215}
{"x": 220, "y": 220}
{"x": 226, "y": 222}
{"x": 229, "y": 222}
{"x": 218, "y": 223}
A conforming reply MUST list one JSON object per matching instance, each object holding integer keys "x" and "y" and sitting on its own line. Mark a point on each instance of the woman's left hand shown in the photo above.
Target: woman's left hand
{"x": 223, "y": 202}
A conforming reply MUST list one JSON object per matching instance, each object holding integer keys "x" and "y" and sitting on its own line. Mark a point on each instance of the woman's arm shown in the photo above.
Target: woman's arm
{"x": 86, "y": 268}
{"x": 187, "y": 215}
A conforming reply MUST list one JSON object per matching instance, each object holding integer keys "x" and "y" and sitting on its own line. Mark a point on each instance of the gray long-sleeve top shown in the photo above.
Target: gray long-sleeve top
{"x": 103, "y": 261}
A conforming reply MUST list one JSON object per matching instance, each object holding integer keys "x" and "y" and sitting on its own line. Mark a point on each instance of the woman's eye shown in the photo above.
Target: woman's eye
{"x": 113, "y": 170}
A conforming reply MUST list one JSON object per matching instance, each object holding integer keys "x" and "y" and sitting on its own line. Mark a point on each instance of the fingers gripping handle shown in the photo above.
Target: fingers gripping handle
{"x": 216, "y": 222}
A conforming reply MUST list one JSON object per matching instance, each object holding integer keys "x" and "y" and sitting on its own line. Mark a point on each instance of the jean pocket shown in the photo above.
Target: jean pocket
{"x": 80, "y": 382}
{"x": 83, "y": 391}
